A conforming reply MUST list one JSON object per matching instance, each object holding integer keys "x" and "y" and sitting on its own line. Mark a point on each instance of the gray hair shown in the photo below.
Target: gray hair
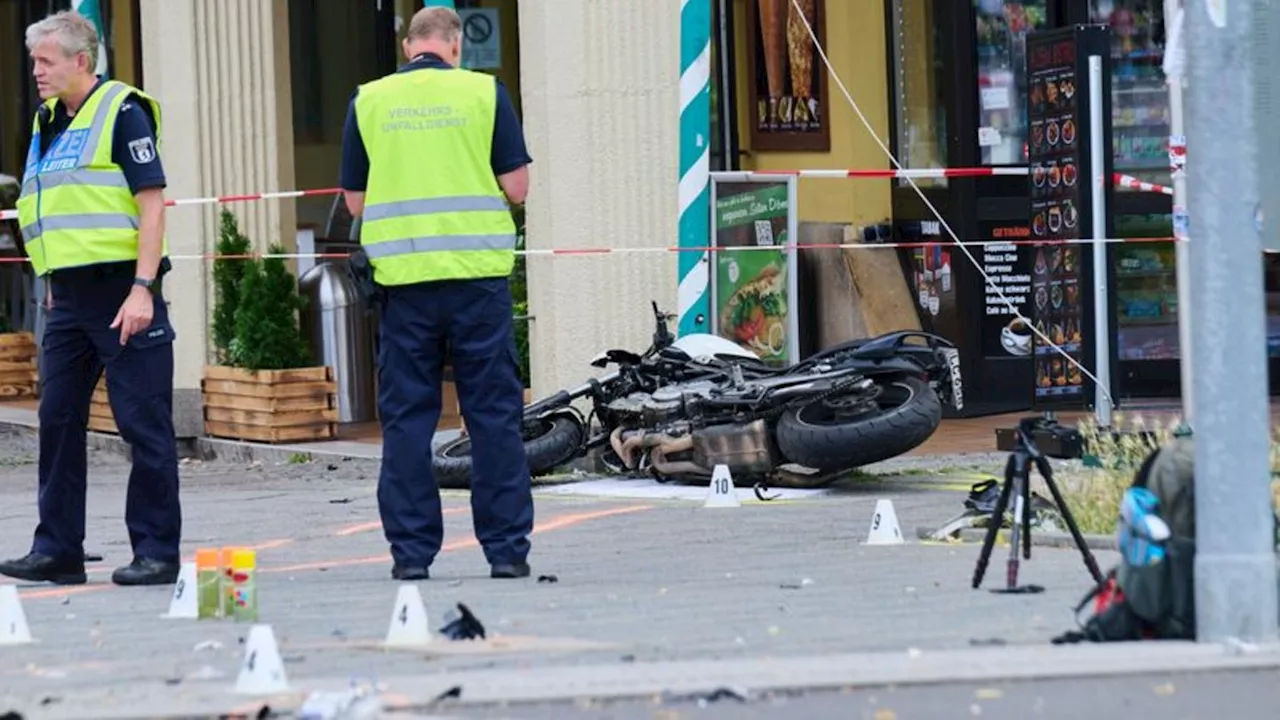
{"x": 435, "y": 22}
{"x": 75, "y": 33}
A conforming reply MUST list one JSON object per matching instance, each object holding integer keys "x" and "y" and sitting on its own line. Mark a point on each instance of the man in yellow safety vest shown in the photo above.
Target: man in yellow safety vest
{"x": 431, "y": 156}
{"x": 92, "y": 218}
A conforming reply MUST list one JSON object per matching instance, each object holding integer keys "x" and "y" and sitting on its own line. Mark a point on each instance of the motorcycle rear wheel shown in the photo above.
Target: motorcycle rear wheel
{"x": 814, "y": 436}
{"x": 548, "y": 443}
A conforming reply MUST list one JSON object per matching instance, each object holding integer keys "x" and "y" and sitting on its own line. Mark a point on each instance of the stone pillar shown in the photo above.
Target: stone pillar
{"x": 604, "y": 139}
{"x": 220, "y": 69}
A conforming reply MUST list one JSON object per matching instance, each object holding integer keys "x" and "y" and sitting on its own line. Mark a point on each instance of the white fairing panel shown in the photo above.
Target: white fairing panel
{"x": 700, "y": 345}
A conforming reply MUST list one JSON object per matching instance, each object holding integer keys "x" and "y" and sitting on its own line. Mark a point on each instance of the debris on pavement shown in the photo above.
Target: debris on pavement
{"x": 987, "y": 642}
{"x": 462, "y": 624}
{"x": 359, "y": 703}
{"x": 452, "y": 693}
{"x": 706, "y": 698}
{"x": 760, "y": 489}
{"x": 548, "y": 579}
{"x": 796, "y": 586}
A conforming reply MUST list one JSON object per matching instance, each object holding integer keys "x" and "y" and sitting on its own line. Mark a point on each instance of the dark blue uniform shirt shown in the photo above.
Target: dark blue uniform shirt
{"x": 509, "y": 152}
{"x": 135, "y": 128}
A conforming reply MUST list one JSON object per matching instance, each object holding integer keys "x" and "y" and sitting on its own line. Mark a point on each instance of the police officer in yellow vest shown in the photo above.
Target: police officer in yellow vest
{"x": 92, "y": 219}
{"x": 431, "y": 156}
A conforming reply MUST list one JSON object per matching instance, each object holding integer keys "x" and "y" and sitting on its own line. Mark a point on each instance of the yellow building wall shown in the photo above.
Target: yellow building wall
{"x": 855, "y": 45}
{"x": 124, "y": 61}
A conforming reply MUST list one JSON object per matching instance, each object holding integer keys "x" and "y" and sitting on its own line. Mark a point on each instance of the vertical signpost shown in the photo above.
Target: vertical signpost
{"x": 694, "y": 265}
{"x": 1230, "y": 121}
{"x": 1173, "y": 69}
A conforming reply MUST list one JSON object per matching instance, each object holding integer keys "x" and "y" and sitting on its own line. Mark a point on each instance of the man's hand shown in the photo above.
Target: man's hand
{"x": 135, "y": 314}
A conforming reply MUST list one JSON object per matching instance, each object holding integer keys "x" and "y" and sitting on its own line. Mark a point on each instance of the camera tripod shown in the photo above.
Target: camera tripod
{"x": 1017, "y": 482}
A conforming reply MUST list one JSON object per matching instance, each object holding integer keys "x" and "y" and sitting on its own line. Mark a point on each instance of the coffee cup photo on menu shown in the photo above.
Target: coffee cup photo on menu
{"x": 1015, "y": 338}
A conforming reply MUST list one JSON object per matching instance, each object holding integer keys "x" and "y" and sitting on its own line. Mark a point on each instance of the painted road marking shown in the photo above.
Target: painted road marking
{"x": 555, "y": 523}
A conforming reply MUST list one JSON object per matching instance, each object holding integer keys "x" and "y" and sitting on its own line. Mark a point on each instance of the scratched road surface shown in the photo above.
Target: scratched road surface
{"x": 637, "y": 579}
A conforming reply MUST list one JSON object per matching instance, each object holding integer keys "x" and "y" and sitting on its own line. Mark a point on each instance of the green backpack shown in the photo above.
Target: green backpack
{"x": 1154, "y": 600}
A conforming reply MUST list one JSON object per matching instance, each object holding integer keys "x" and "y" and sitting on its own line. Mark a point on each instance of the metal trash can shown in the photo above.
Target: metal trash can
{"x": 334, "y": 324}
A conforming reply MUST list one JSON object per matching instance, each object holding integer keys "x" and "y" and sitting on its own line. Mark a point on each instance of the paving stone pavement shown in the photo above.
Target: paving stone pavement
{"x": 637, "y": 580}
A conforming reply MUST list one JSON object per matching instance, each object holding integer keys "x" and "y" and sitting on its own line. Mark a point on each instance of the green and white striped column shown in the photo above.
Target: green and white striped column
{"x": 693, "y": 297}
{"x": 92, "y": 10}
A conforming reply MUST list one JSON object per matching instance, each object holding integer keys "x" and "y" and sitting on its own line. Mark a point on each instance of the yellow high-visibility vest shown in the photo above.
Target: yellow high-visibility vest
{"x": 76, "y": 208}
{"x": 433, "y": 208}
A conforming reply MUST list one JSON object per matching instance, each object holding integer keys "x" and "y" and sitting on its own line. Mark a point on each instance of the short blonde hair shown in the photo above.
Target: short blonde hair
{"x": 75, "y": 33}
{"x": 435, "y": 22}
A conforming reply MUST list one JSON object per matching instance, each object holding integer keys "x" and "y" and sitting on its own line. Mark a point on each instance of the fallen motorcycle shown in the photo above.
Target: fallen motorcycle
{"x": 689, "y": 404}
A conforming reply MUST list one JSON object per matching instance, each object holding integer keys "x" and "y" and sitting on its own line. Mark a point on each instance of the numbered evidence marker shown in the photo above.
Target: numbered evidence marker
{"x": 183, "y": 603}
{"x": 884, "y": 525}
{"x": 721, "y": 493}
{"x": 409, "y": 627}
{"x": 262, "y": 672}
{"x": 13, "y": 621}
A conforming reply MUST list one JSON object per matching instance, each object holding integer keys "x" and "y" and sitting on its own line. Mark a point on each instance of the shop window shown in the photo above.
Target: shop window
{"x": 1146, "y": 292}
{"x": 919, "y": 80}
{"x": 1002, "y": 29}
{"x": 1139, "y": 95}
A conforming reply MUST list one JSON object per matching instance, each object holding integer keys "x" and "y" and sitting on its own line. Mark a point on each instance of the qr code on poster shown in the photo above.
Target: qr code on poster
{"x": 764, "y": 232}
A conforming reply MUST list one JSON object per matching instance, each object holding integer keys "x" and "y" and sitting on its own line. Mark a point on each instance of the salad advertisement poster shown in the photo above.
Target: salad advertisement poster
{"x": 751, "y": 286}
{"x": 1055, "y": 158}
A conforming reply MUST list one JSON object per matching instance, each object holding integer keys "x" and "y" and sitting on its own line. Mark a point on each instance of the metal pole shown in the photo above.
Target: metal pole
{"x": 1182, "y": 257}
{"x": 792, "y": 255}
{"x": 1101, "y": 326}
{"x": 1235, "y": 565}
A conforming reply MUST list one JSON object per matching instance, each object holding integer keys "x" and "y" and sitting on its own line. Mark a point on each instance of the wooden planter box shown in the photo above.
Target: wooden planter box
{"x": 19, "y": 377}
{"x": 270, "y": 406}
{"x": 101, "y": 419}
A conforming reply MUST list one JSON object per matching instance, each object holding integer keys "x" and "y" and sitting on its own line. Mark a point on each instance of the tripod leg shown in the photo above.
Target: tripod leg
{"x": 1089, "y": 562}
{"x": 1020, "y": 461}
{"x": 1026, "y": 515}
{"x": 993, "y": 525}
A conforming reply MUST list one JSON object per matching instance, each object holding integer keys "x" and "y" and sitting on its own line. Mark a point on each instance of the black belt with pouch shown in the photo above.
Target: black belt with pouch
{"x": 361, "y": 272}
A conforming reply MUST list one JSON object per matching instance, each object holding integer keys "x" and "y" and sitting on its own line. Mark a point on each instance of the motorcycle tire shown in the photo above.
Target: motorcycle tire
{"x": 556, "y": 441}
{"x": 830, "y": 445}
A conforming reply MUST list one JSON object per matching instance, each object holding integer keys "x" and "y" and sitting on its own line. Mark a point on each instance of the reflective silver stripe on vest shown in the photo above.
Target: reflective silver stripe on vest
{"x": 99, "y": 122}
{"x": 409, "y": 208}
{"x": 91, "y": 178}
{"x": 94, "y": 221}
{"x": 443, "y": 243}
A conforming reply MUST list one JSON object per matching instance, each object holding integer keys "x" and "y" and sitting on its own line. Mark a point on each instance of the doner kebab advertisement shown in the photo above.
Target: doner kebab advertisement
{"x": 751, "y": 285}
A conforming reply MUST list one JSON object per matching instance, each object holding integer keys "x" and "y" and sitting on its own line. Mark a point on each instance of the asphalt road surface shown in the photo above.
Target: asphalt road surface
{"x": 1237, "y": 695}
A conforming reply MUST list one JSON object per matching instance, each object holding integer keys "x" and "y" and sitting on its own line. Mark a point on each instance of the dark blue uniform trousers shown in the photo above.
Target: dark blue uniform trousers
{"x": 472, "y": 320}
{"x": 78, "y": 344}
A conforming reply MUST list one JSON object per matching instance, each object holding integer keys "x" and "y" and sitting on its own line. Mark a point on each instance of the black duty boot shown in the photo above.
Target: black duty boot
{"x": 405, "y": 572}
{"x": 145, "y": 571}
{"x": 507, "y": 571}
{"x": 42, "y": 568}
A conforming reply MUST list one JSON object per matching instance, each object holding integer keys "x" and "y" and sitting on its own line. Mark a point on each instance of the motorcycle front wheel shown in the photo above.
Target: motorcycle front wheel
{"x": 548, "y": 443}
{"x": 828, "y": 437}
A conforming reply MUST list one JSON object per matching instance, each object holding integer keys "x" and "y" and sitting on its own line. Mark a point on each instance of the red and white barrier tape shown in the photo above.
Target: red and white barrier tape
{"x": 560, "y": 252}
{"x": 223, "y": 199}
{"x": 1120, "y": 180}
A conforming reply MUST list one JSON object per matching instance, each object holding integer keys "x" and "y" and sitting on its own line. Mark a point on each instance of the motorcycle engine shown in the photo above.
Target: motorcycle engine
{"x": 659, "y": 408}
{"x": 662, "y": 406}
